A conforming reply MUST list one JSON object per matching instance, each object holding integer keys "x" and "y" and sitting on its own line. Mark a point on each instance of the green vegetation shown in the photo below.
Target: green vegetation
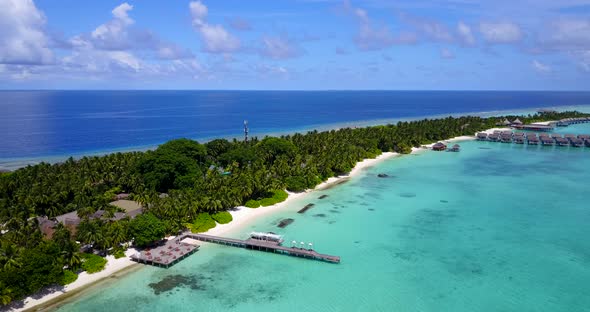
{"x": 147, "y": 229}
{"x": 252, "y": 203}
{"x": 202, "y": 223}
{"x": 222, "y": 217}
{"x": 195, "y": 194}
{"x": 68, "y": 277}
{"x": 92, "y": 263}
{"x": 119, "y": 253}
{"x": 277, "y": 197}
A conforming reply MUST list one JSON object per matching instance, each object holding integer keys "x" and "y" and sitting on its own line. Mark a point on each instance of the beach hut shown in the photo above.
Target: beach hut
{"x": 517, "y": 122}
{"x": 505, "y": 122}
{"x": 439, "y": 147}
{"x": 455, "y": 148}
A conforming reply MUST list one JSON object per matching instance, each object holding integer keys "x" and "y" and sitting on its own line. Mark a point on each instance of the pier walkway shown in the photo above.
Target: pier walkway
{"x": 264, "y": 245}
{"x": 174, "y": 250}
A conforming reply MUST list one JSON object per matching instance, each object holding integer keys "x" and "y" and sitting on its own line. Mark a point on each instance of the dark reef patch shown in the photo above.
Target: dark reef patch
{"x": 323, "y": 196}
{"x": 307, "y": 207}
{"x": 171, "y": 282}
{"x": 334, "y": 211}
{"x": 285, "y": 222}
{"x": 320, "y": 215}
{"x": 407, "y": 195}
{"x": 444, "y": 201}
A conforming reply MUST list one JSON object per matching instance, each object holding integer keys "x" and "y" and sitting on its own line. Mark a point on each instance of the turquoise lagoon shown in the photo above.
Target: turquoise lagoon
{"x": 496, "y": 227}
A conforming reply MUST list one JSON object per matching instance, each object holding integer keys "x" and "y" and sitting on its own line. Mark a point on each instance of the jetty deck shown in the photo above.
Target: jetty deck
{"x": 167, "y": 254}
{"x": 269, "y": 246}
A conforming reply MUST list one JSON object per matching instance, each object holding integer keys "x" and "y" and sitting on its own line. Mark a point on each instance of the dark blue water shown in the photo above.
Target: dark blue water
{"x": 37, "y": 124}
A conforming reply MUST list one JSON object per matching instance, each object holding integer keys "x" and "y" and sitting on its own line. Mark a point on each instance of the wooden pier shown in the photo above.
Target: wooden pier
{"x": 167, "y": 254}
{"x": 264, "y": 245}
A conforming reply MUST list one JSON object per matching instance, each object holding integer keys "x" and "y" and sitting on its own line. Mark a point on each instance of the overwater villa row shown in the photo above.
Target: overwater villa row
{"x": 535, "y": 139}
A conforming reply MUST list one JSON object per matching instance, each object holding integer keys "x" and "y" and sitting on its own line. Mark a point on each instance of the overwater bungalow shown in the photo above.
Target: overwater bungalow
{"x": 439, "y": 147}
{"x": 481, "y": 136}
{"x": 455, "y": 148}
{"x": 494, "y": 137}
{"x": 562, "y": 141}
{"x": 570, "y": 136}
{"x": 556, "y": 135}
{"x": 532, "y": 140}
{"x": 507, "y": 132}
{"x": 587, "y": 142}
{"x": 519, "y": 140}
{"x": 547, "y": 140}
{"x": 577, "y": 142}
{"x": 519, "y": 134}
{"x": 506, "y": 138}
{"x": 584, "y": 136}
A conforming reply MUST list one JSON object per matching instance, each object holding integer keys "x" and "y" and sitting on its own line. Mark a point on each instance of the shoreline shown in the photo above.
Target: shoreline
{"x": 15, "y": 163}
{"x": 84, "y": 281}
{"x": 242, "y": 216}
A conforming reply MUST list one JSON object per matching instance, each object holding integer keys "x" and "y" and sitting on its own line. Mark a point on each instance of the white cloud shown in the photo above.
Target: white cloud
{"x": 375, "y": 37}
{"x": 22, "y": 35}
{"x": 465, "y": 34}
{"x": 429, "y": 29}
{"x": 216, "y": 38}
{"x": 279, "y": 48}
{"x": 540, "y": 67}
{"x": 500, "y": 32}
{"x": 566, "y": 34}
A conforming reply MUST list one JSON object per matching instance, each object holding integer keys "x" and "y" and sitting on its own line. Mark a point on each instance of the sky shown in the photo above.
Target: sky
{"x": 295, "y": 44}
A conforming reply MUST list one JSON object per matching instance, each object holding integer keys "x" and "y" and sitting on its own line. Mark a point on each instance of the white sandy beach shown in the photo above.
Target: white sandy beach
{"x": 84, "y": 279}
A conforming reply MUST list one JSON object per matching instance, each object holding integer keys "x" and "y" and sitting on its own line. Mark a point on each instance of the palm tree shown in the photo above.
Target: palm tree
{"x": 5, "y": 294}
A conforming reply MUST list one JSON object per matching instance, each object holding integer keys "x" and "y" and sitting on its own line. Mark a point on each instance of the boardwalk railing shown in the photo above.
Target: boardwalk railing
{"x": 263, "y": 245}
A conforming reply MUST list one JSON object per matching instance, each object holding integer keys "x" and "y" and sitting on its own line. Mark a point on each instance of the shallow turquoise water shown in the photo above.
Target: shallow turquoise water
{"x": 496, "y": 227}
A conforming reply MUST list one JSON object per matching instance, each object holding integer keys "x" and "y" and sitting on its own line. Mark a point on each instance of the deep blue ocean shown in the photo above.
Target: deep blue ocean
{"x": 45, "y": 125}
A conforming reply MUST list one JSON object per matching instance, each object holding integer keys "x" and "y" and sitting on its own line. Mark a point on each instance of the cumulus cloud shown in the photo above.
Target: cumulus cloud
{"x": 540, "y": 67}
{"x": 566, "y": 34}
{"x": 114, "y": 34}
{"x": 375, "y": 37}
{"x": 465, "y": 34}
{"x": 500, "y": 32}
{"x": 22, "y": 35}
{"x": 216, "y": 38}
{"x": 119, "y": 34}
{"x": 279, "y": 48}
{"x": 429, "y": 29}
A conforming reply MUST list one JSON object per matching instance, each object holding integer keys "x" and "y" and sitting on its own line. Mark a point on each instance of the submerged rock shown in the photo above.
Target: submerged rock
{"x": 307, "y": 207}
{"x": 444, "y": 201}
{"x": 383, "y": 175}
{"x": 320, "y": 215}
{"x": 285, "y": 222}
{"x": 407, "y": 195}
{"x": 323, "y": 196}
